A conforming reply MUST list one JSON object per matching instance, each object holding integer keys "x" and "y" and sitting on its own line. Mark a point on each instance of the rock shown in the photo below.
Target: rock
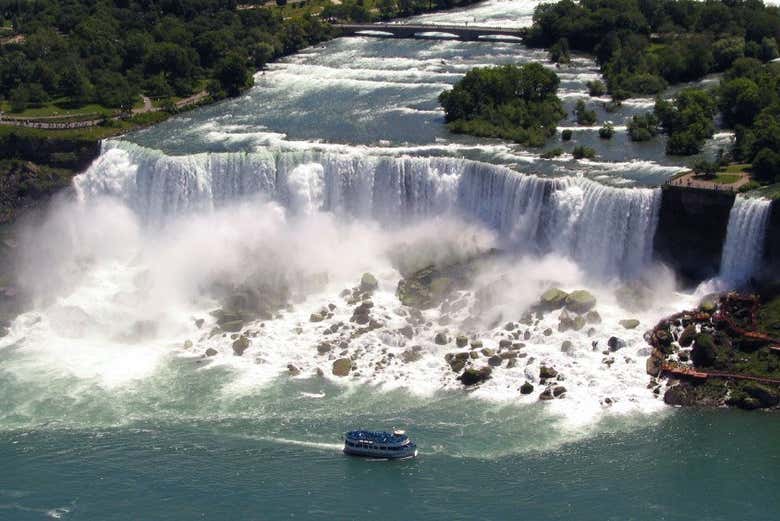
{"x": 324, "y": 347}
{"x": 294, "y": 371}
{"x": 708, "y": 305}
{"x": 441, "y": 339}
{"x": 527, "y": 335}
{"x": 473, "y": 376}
{"x": 654, "y": 362}
{"x": 593, "y": 317}
{"x": 558, "y": 391}
{"x": 487, "y": 351}
{"x": 565, "y": 322}
{"x": 319, "y": 372}
{"x": 687, "y": 336}
{"x": 509, "y": 326}
{"x": 629, "y": 323}
{"x": 504, "y": 343}
{"x": 407, "y": 331}
{"x": 240, "y": 345}
{"x": 410, "y": 355}
{"x": 342, "y": 367}
{"x": 495, "y": 361}
{"x": 526, "y": 388}
{"x": 664, "y": 338}
{"x": 552, "y": 299}
{"x": 703, "y": 353}
{"x": 767, "y": 396}
{"x": 546, "y": 394}
{"x": 615, "y": 343}
{"x": 461, "y": 341}
{"x": 199, "y": 323}
{"x": 679, "y": 395}
{"x": 316, "y": 317}
{"x": 188, "y": 344}
{"x": 580, "y": 301}
{"x": 547, "y": 372}
{"x": 476, "y": 344}
{"x": 566, "y": 346}
{"x": 474, "y": 355}
{"x": 232, "y": 326}
{"x": 211, "y": 352}
{"x": 457, "y": 365}
{"x": 591, "y": 331}
{"x": 608, "y": 361}
{"x": 547, "y": 332}
{"x": 368, "y": 283}
{"x": 579, "y": 323}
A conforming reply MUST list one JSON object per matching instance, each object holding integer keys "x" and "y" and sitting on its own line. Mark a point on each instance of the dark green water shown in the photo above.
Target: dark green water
{"x": 684, "y": 465}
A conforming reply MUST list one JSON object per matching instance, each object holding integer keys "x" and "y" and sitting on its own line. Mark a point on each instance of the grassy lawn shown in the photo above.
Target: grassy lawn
{"x": 59, "y": 107}
{"x": 736, "y": 168}
{"x": 726, "y": 179}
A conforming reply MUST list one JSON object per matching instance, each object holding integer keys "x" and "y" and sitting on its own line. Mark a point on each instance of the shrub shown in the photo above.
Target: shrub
{"x": 584, "y": 116}
{"x": 596, "y": 88}
{"x": 555, "y": 152}
{"x": 607, "y": 131}
{"x": 581, "y": 152}
{"x": 643, "y": 127}
{"x": 566, "y": 134}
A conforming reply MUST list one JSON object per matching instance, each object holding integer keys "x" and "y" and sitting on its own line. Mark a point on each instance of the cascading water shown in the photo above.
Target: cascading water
{"x": 608, "y": 231}
{"x": 743, "y": 250}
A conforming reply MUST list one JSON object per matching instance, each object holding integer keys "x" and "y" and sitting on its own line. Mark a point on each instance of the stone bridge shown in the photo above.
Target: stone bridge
{"x": 463, "y": 32}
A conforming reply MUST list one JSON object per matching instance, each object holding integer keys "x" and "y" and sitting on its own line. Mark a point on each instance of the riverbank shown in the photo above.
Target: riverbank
{"x": 725, "y": 353}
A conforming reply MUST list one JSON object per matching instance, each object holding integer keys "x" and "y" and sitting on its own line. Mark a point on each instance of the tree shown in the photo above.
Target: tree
{"x": 766, "y": 166}
{"x": 233, "y": 74}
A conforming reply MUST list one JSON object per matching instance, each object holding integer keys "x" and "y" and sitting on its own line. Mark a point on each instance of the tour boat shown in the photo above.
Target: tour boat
{"x": 388, "y": 445}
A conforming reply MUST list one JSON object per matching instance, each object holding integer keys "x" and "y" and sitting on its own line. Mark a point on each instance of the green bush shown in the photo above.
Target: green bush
{"x": 584, "y": 115}
{"x": 643, "y": 127}
{"x": 555, "y": 152}
{"x": 566, "y": 134}
{"x": 607, "y": 131}
{"x": 596, "y": 88}
{"x": 583, "y": 152}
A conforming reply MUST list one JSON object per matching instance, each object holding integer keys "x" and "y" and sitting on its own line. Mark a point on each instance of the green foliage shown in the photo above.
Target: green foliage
{"x": 583, "y": 152}
{"x": 688, "y": 120}
{"x": 766, "y": 166}
{"x": 517, "y": 103}
{"x": 554, "y": 152}
{"x": 596, "y": 88}
{"x": 643, "y": 127}
{"x": 689, "y": 40}
{"x": 584, "y": 115}
{"x": 559, "y": 52}
{"x": 708, "y": 168}
{"x": 109, "y": 52}
{"x": 566, "y": 134}
{"x": 607, "y": 131}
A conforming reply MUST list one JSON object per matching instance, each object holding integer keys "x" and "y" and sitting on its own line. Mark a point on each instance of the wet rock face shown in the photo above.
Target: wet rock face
{"x": 240, "y": 345}
{"x": 682, "y": 241}
{"x": 552, "y": 299}
{"x": 342, "y": 367}
{"x": 473, "y": 376}
{"x": 368, "y": 283}
{"x": 580, "y": 301}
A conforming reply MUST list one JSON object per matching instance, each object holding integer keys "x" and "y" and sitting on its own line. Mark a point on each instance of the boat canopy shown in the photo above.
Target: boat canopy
{"x": 377, "y": 437}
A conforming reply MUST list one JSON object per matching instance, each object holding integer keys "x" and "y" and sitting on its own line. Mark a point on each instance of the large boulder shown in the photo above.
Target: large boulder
{"x": 703, "y": 353}
{"x": 368, "y": 283}
{"x": 615, "y": 343}
{"x": 767, "y": 396}
{"x": 342, "y": 367}
{"x": 526, "y": 388}
{"x": 553, "y": 298}
{"x": 629, "y": 323}
{"x": 547, "y": 372}
{"x": 240, "y": 345}
{"x": 580, "y": 301}
{"x": 473, "y": 376}
{"x": 687, "y": 336}
{"x": 441, "y": 339}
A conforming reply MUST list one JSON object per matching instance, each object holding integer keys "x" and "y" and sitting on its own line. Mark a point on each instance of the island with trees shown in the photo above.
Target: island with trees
{"x": 509, "y": 102}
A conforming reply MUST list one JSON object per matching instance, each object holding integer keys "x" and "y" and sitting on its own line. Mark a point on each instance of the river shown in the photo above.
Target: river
{"x": 120, "y": 400}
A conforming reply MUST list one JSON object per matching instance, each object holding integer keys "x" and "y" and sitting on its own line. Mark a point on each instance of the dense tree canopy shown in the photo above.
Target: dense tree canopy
{"x": 109, "y": 52}
{"x": 643, "y": 45}
{"x": 518, "y": 103}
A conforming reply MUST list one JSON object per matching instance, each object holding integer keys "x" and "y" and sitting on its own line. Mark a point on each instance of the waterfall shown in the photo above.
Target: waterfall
{"x": 744, "y": 248}
{"x": 608, "y": 231}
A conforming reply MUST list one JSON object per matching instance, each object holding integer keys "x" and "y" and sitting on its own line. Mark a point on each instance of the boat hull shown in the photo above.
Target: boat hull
{"x": 381, "y": 454}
